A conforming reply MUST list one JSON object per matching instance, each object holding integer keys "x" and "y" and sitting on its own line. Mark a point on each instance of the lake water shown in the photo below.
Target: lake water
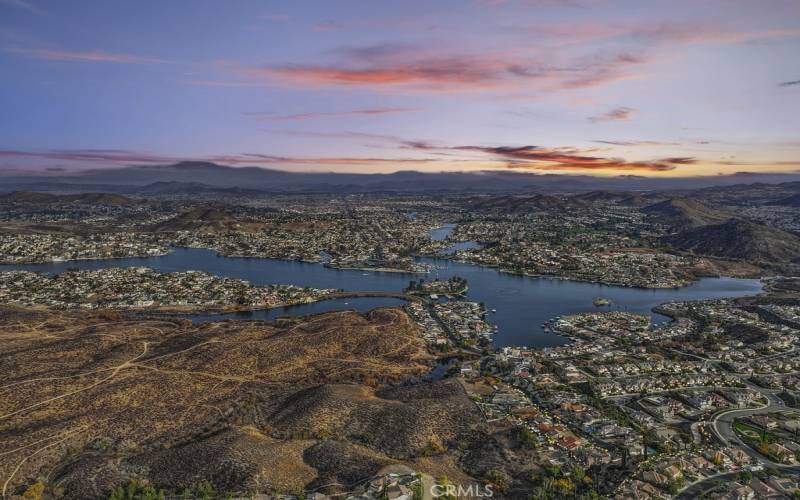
{"x": 522, "y": 303}
{"x": 361, "y": 304}
{"x": 441, "y": 233}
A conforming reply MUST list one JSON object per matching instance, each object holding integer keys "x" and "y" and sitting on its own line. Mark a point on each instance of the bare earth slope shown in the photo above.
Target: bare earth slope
{"x": 94, "y": 400}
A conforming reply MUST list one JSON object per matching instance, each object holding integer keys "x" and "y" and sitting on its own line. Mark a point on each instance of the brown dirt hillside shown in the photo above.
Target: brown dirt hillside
{"x": 93, "y": 400}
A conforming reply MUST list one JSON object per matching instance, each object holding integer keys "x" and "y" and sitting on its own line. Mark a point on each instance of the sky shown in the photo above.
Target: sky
{"x": 599, "y": 87}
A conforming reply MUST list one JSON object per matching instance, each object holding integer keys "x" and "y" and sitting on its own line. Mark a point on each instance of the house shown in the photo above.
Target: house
{"x": 739, "y": 398}
{"x": 765, "y": 422}
{"x": 701, "y": 464}
{"x": 569, "y": 442}
{"x": 665, "y": 434}
{"x": 640, "y": 491}
{"x": 672, "y": 472}
{"x": 791, "y": 425}
{"x": 781, "y": 452}
{"x": 785, "y": 485}
{"x": 398, "y": 492}
{"x": 701, "y": 401}
{"x": 655, "y": 478}
{"x": 742, "y": 493}
{"x": 761, "y": 489}
{"x": 738, "y": 455}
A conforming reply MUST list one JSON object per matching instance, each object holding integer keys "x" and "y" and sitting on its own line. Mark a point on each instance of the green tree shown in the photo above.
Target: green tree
{"x": 578, "y": 473}
{"x": 416, "y": 491}
{"x": 130, "y": 491}
{"x": 205, "y": 490}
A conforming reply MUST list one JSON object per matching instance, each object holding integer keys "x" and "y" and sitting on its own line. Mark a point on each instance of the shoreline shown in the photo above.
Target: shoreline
{"x": 399, "y": 271}
{"x": 214, "y": 310}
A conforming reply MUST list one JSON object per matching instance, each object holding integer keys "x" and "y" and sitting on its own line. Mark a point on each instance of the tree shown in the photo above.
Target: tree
{"x": 539, "y": 493}
{"x": 443, "y": 481}
{"x": 205, "y": 490}
{"x": 528, "y": 438}
{"x": 578, "y": 473}
{"x": 34, "y": 491}
{"x": 130, "y": 491}
{"x": 499, "y": 479}
{"x": 417, "y": 491}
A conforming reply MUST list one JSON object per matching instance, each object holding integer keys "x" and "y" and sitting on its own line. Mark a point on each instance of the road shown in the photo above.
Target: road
{"x": 722, "y": 424}
{"x": 693, "y": 490}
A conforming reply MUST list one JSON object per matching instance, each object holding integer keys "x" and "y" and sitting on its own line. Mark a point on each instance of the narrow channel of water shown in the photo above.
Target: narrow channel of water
{"x": 360, "y": 304}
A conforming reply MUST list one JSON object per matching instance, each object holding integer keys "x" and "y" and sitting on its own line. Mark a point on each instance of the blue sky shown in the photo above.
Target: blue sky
{"x": 663, "y": 88}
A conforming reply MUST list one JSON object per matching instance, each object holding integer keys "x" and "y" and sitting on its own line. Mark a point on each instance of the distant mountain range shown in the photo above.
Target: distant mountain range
{"x": 78, "y": 199}
{"x": 193, "y": 177}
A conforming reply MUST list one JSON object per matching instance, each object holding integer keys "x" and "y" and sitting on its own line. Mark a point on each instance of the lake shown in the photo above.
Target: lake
{"x": 522, "y": 303}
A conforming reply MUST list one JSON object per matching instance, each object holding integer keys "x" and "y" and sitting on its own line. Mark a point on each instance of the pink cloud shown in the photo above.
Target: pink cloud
{"x": 327, "y": 26}
{"x": 552, "y": 62}
{"x": 558, "y": 159}
{"x": 92, "y": 56}
{"x": 620, "y": 113}
{"x": 398, "y": 67}
{"x": 314, "y": 115}
{"x": 637, "y": 143}
{"x": 432, "y": 73}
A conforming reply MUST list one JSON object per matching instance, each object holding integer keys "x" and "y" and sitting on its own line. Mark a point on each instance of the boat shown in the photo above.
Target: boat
{"x": 494, "y": 310}
{"x": 600, "y": 301}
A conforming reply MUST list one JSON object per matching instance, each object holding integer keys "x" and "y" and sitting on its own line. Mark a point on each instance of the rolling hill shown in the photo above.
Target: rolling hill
{"x": 681, "y": 213}
{"x": 201, "y": 219}
{"x": 739, "y": 239}
{"x": 789, "y": 201}
{"x": 510, "y": 203}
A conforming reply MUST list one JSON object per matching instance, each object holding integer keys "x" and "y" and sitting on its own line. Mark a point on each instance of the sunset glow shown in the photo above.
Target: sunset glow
{"x": 598, "y": 87}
